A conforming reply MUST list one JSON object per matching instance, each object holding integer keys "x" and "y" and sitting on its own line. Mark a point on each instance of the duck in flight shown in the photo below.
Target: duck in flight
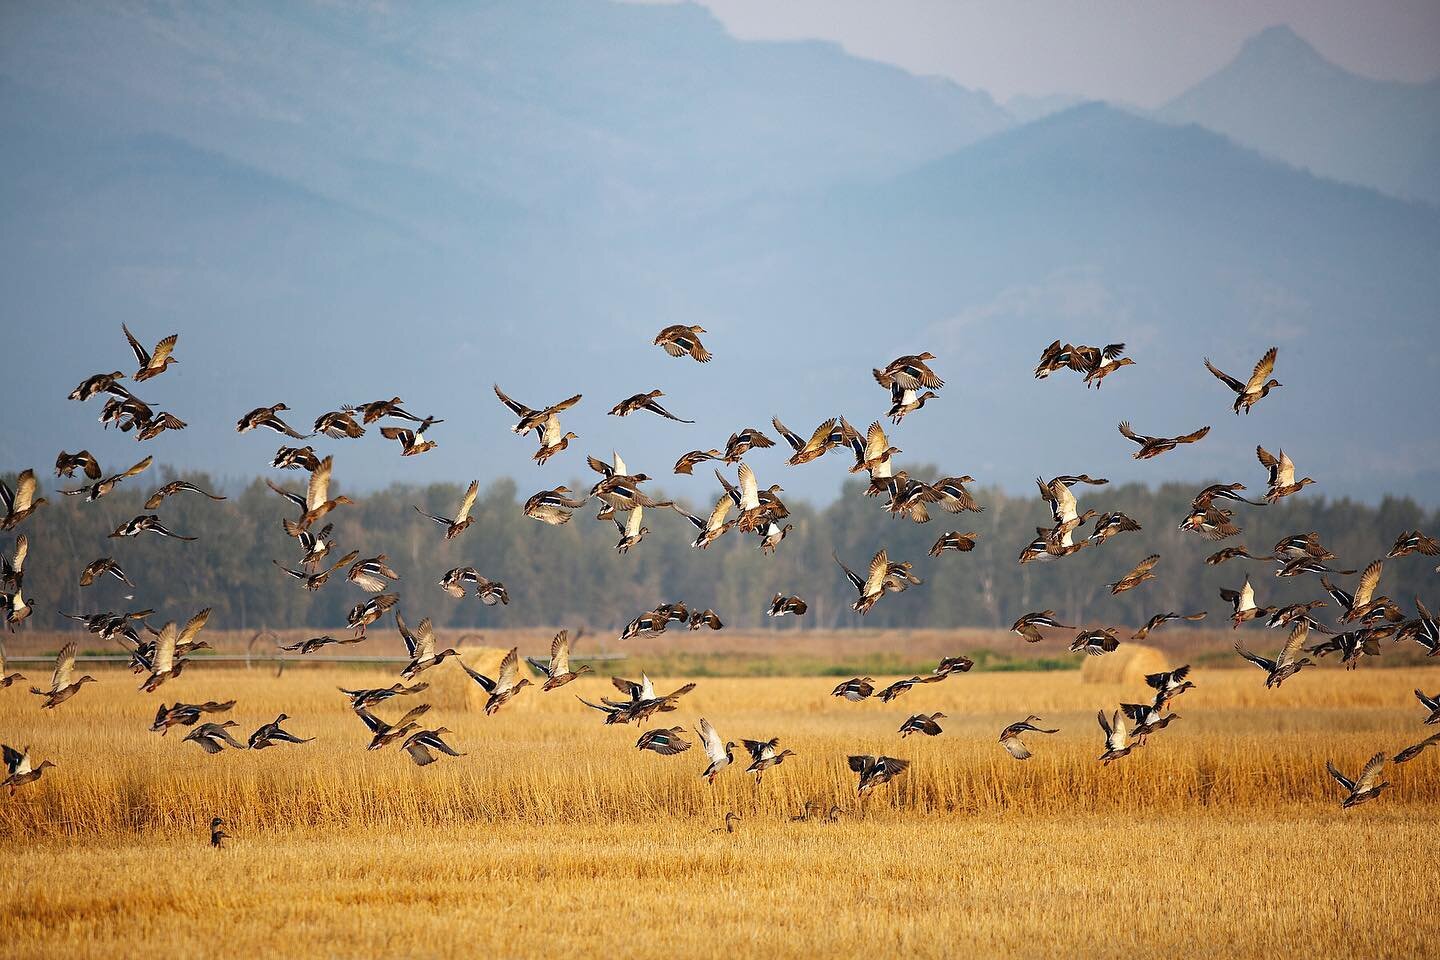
{"x": 462, "y": 519}
{"x": 645, "y": 401}
{"x": 1255, "y": 389}
{"x": 679, "y": 340}
{"x": 1154, "y": 446}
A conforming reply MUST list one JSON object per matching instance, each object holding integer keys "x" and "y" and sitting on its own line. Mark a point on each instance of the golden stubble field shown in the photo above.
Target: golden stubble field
{"x": 553, "y": 835}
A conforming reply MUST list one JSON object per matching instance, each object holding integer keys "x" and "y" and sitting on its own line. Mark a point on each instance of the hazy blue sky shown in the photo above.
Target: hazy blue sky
{"x": 1137, "y": 52}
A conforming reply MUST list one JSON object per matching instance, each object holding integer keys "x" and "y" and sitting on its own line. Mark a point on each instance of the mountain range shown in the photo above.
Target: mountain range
{"x": 333, "y": 202}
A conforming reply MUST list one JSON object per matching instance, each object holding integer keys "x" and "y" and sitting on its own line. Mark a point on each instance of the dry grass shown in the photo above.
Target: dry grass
{"x": 1224, "y": 830}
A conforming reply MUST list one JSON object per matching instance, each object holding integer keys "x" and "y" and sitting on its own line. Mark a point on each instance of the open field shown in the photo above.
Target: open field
{"x": 792, "y": 649}
{"x": 1224, "y": 830}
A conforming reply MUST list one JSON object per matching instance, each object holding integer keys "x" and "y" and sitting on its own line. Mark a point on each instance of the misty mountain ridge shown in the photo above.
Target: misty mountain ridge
{"x": 321, "y": 263}
{"x": 1282, "y": 97}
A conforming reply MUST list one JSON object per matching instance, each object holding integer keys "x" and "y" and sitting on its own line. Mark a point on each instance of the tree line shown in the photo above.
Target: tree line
{"x": 570, "y": 575}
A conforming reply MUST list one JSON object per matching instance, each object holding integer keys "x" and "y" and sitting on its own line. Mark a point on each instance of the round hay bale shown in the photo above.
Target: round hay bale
{"x": 452, "y": 689}
{"x": 1127, "y": 665}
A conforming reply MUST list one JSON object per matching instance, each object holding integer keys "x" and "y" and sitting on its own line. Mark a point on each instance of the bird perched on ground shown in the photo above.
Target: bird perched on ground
{"x": 1287, "y": 662}
{"x": 1137, "y": 575}
{"x": 214, "y": 737}
{"x": 679, "y": 340}
{"x": 504, "y": 686}
{"x": 1365, "y": 787}
{"x": 644, "y": 401}
{"x": 557, "y": 669}
{"x": 268, "y": 418}
{"x": 922, "y": 723}
{"x": 875, "y": 771}
{"x": 423, "y": 745}
{"x": 19, "y": 769}
{"x": 731, "y": 818}
{"x": 666, "y": 741}
{"x": 271, "y": 733}
{"x": 1162, "y": 618}
{"x": 63, "y": 684}
{"x": 1010, "y": 736}
{"x": 1154, "y": 446}
{"x": 1253, "y": 390}
{"x": 462, "y": 519}
{"x": 218, "y": 836}
{"x": 1029, "y": 625}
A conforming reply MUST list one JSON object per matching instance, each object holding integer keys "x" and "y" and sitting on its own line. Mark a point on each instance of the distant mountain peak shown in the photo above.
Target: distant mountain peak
{"x": 1279, "y": 43}
{"x": 1284, "y": 98}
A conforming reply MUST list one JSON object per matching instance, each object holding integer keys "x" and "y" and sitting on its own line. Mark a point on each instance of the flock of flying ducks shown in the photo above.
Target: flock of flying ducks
{"x": 744, "y": 507}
